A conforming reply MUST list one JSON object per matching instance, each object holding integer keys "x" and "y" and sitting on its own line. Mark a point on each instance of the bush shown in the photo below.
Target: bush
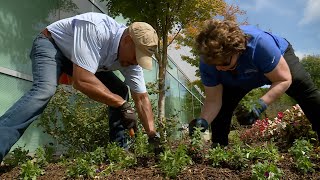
{"x": 172, "y": 163}
{"x": 76, "y": 121}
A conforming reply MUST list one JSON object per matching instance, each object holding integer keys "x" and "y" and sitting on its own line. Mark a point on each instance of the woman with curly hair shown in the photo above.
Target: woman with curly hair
{"x": 236, "y": 59}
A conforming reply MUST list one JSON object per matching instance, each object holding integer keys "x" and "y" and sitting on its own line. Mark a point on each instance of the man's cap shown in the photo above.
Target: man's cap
{"x": 145, "y": 39}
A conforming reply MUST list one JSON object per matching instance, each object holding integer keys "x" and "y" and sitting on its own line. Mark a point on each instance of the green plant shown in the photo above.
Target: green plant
{"x": 217, "y": 156}
{"x": 237, "y": 158}
{"x": 30, "y": 170}
{"x": 266, "y": 171}
{"x": 301, "y": 151}
{"x": 76, "y": 121}
{"x": 17, "y": 156}
{"x": 267, "y": 152}
{"x": 140, "y": 147}
{"x": 172, "y": 163}
{"x": 98, "y": 156}
{"x": 49, "y": 152}
{"x": 40, "y": 157}
{"x": 197, "y": 140}
{"x": 196, "y": 146}
{"x": 119, "y": 156}
{"x": 80, "y": 168}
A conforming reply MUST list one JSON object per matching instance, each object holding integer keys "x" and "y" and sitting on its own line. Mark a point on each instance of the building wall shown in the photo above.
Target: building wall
{"x": 21, "y": 21}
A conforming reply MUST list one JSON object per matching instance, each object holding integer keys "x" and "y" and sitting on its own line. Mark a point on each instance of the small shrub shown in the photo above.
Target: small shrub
{"x": 267, "y": 152}
{"x": 237, "y": 157}
{"x": 80, "y": 168}
{"x": 76, "y": 121}
{"x": 40, "y": 157}
{"x": 119, "y": 156}
{"x": 217, "y": 156}
{"x": 301, "y": 151}
{"x": 172, "y": 163}
{"x": 140, "y": 146}
{"x": 98, "y": 156}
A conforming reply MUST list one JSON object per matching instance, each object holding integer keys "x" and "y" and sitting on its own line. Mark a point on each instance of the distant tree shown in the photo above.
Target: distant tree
{"x": 312, "y": 64}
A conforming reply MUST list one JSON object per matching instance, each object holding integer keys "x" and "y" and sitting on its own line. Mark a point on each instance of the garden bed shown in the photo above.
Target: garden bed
{"x": 282, "y": 148}
{"x": 150, "y": 170}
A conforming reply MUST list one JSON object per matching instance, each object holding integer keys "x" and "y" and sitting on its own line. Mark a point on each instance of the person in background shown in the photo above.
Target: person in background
{"x": 88, "y": 47}
{"x": 236, "y": 59}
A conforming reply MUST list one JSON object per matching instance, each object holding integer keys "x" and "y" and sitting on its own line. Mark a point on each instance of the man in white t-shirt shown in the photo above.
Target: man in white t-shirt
{"x": 88, "y": 47}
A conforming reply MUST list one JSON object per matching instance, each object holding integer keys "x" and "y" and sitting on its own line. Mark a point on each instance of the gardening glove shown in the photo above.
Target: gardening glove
{"x": 128, "y": 116}
{"x": 258, "y": 107}
{"x": 155, "y": 142}
{"x": 198, "y": 122}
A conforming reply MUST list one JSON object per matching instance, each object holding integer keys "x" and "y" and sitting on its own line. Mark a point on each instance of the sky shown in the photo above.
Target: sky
{"x": 296, "y": 20}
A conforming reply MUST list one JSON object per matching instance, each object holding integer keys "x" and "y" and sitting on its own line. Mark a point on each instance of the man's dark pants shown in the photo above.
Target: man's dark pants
{"x": 302, "y": 90}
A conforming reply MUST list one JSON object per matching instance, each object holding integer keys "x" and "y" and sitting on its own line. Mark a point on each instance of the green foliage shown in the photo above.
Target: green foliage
{"x": 40, "y": 157}
{"x": 76, "y": 121}
{"x": 17, "y": 157}
{"x": 169, "y": 126}
{"x": 118, "y": 155}
{"x": 197, "y": 141}
{"x": 30, "y": 170}
{"x": 80, "y": 168}
{"x": 301, "y": 151}
{"x": 140, "y": 146}
{"x": 267, "y": 152}
{"x": 237, "y": 158}
{"x": 85, "y": 164}
{"x": 172, "y": 163}
{"x": 49, "y": 152}
{"x": 98, "y": 156}
{"x": 266, "y": 171}
{"x": 312, "y": 64}
{"x": 217, "y": 156}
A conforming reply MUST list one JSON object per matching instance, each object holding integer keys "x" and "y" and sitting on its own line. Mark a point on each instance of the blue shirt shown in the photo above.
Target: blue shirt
{"x": 261, "y": 56}
{"x": 91, "y": 40}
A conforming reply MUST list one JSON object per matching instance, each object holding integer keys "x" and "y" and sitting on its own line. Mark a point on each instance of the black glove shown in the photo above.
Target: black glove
{"x": 128, "y": 116}
{"x": 198, "y": 122}
{"x": 156, "y": 144}
{"x": 258, "y": 107}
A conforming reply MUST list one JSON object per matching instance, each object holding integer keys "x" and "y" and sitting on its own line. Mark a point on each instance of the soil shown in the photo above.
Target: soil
{"x": 147, "y": 169}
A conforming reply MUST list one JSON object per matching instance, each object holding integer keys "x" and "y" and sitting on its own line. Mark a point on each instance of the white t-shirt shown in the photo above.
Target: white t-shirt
{"x": 91, "y": 41}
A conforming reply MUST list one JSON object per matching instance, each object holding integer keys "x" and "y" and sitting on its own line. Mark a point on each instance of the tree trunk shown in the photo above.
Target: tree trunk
{"x": 162, "y": 79}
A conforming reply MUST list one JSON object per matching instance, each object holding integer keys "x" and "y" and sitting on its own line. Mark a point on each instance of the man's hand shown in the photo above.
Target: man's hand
{"x": 198, "y": 122}
{"x": 155, "y": 142}
{"x": 258, "y": 107}
{"x": 128, "y": 116}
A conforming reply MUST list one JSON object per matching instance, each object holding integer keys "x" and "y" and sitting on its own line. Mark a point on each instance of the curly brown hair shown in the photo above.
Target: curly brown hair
{"x": 220, "y": 39}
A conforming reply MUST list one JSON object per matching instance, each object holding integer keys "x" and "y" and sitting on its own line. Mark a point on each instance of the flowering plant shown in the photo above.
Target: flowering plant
{"x": 264, "y": 129}
{"x": 287, "y": 126}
